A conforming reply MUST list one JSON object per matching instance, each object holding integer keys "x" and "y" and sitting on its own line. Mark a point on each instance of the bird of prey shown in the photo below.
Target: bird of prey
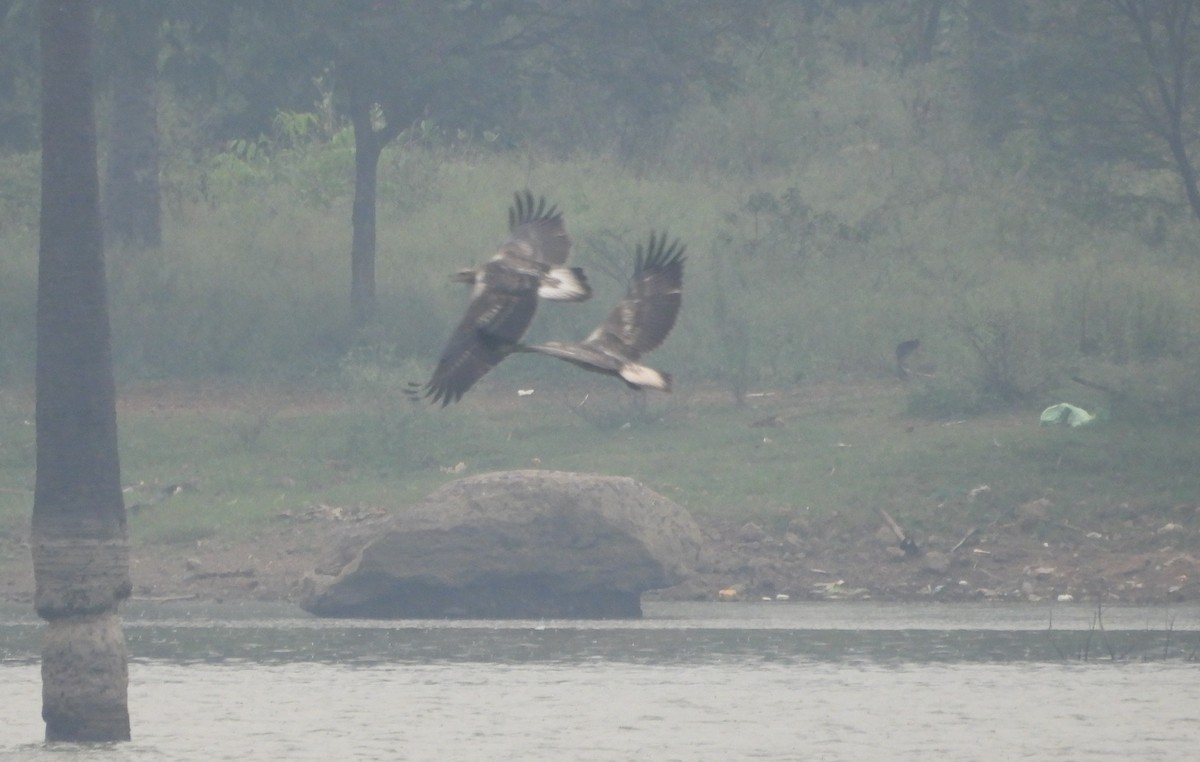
{"x": 637, "y": 325}
{"x": 528, "y": 266}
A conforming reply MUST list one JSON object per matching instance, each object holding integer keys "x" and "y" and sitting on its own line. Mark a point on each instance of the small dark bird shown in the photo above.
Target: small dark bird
{"x": 637, "y": 325}
{"x": 529, "y": 266}
{"x": 903, "y": 350}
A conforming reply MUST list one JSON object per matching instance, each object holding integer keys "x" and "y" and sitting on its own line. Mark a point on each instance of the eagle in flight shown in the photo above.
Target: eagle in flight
{"x": 530, "y": 265}
{"x": 637, "y": 325}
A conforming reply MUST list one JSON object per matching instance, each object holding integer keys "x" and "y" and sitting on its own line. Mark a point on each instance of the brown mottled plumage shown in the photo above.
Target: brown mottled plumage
{"x": 637, "y": 325}
{"x": 528, "y": 266}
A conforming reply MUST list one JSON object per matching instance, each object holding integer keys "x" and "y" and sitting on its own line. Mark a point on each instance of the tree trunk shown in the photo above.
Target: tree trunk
{"x": 1183, "y": 165}
{"x": 367, "y": 147}
{"x": 132, "y": 206}
{"x": 1169, "y": 53}
{"x": 79, "y": 541}
{"x": 994, "y": 63}
{"x": 929, "y": 31}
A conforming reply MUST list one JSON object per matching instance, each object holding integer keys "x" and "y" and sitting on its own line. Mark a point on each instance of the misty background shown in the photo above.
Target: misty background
{"x": 1011, "y": 182}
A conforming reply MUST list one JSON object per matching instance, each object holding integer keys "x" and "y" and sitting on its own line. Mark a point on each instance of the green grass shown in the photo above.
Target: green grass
{"x": 811, "y": 272}
{"x": 839, "y": 456}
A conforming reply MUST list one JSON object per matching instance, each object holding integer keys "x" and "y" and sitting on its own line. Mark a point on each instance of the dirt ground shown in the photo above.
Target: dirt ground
{"x": 1017, "y": 562}
{"x": 1133, "y": 557}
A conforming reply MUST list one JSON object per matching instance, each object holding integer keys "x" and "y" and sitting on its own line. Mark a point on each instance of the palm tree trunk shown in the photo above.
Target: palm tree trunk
{"x": 79, "y": 541}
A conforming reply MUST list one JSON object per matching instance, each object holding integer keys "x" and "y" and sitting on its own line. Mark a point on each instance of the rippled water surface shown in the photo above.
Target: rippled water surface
{"x": 690, "y": 682}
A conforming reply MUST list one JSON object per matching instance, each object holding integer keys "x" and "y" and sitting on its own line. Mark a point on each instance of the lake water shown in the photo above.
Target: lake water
{"x": 797, "y": 681}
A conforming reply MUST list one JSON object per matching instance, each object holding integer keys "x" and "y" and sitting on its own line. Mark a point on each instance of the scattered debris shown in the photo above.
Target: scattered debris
{"x": 322, "y": 512}
{"x": 837, "y": 591}
{"x": 158, "y": 495}
{"x": 981, "y": 493}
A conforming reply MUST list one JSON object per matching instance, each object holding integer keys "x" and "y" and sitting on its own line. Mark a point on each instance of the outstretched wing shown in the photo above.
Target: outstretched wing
{"x": 642, "y": 320}
{"x": 537, "y": 235}
{"x": 505, "y": 297}
{"x": 467, "y": 356}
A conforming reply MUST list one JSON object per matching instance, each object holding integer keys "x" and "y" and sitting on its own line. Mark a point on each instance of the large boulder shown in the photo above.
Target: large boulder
{"x": 512, "y": 544}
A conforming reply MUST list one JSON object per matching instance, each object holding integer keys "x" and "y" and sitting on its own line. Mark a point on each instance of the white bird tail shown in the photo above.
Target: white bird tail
{"x": 645, "y": 377}
{"x": 565, "y": 284}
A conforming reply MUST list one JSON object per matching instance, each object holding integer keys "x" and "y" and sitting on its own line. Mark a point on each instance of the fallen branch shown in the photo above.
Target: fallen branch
{"x": 906, "y": 543}
{"x": 970, "y": 533}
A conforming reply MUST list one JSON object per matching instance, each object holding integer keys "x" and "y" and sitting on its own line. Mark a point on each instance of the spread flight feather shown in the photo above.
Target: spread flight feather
{"x": 528, "y": 266}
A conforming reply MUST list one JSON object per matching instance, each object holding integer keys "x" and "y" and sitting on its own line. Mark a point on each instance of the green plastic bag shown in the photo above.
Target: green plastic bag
{"x": 1068, "y": 414}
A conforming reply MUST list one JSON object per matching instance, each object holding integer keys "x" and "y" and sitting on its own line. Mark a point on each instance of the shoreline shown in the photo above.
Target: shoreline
{"x": 741, "y": 563}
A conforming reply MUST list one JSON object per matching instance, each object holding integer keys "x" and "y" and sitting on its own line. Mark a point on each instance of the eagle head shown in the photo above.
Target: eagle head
{"x": 465, "y": 275}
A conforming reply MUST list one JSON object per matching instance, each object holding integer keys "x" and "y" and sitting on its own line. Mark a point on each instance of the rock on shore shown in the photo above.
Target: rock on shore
{"x": 513, "y": 544}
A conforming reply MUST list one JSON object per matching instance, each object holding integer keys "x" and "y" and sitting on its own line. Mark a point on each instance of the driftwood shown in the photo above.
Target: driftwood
{"x": 970, "y": 533}
{"x": 907, "y": 544}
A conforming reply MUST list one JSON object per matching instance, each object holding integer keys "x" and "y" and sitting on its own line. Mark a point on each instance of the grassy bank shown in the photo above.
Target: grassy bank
{"x": 817, "y": 240}
{"x": 226, "y": 462}
{"x": 807, "y": 265}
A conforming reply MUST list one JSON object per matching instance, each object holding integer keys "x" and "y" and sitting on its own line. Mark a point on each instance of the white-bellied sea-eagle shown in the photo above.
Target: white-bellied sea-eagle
{"x": 637, "y": 325}
{"x": 530, "y": 265}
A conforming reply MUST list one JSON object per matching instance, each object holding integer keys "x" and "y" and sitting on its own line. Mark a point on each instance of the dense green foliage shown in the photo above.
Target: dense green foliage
{"x": 840, "y": 188}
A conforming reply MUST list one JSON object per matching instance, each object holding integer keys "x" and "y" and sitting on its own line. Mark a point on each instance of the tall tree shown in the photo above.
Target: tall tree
{"x": 998, "y": 62}
{"x": 132, "y": 204}
{"x": 18, "y": 76}
{"x": 1118, "y": 82}
{"x": 464, "y": 64}
{"x": 79, "y": 538}
{"x": 1167, "y": 95}
{"x": 396, "y": 62}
